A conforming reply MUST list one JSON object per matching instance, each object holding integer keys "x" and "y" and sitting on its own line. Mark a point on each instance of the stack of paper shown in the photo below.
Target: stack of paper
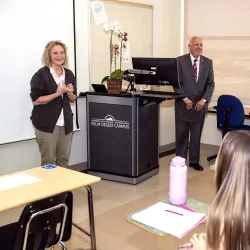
{"x": 16, "y": 180}
{"x": 212, "y": 167}
{"x": 170, "y": 219}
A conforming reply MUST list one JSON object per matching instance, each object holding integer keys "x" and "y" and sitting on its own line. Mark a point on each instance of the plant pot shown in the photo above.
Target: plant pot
{"x": 114, "y": 86}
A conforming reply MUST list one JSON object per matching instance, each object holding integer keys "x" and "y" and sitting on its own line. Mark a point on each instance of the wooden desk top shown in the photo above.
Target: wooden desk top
{"x": 53, "y": 181}
{"x": 246, "y": 111}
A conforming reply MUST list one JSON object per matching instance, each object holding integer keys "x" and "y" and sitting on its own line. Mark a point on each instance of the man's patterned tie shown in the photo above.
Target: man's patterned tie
{"x": 195, "y": 69}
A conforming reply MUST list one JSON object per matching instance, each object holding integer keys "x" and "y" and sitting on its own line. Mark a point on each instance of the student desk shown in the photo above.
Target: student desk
{"x": 211, "y": 109}
{"x": 53, "y": 181}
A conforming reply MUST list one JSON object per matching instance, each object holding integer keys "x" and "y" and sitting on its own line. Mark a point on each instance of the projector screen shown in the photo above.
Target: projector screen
{"x": 26, "y": 26}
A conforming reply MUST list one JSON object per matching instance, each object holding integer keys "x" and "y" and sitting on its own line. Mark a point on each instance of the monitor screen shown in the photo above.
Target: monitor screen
{"x": 166, "y": 71}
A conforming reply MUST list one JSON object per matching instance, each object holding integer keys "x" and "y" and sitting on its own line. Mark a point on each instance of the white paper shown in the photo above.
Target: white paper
{"x": 16, "y": 180}
{"x": 125, "y": 53}
{"x": 212, "y": 167}
{"x": 99, "y": 12}
{"x": 157, "y": 217}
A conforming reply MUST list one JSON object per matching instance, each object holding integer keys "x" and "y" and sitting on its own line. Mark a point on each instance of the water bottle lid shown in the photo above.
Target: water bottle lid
{"x": 178, "y": 161}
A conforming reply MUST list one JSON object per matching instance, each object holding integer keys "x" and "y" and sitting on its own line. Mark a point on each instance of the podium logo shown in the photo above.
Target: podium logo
{"x": 109, "y": 122}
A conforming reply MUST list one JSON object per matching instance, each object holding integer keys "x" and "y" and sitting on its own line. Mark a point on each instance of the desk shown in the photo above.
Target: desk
{"x": 246, "y": 111}
{"x": 211, "y": 109}
{"x": 199, "y": 206}
{"x": 53, "y": 181}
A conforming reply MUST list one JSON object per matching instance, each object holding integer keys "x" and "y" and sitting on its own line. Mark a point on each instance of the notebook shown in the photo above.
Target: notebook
{"x": 170, "y": 219}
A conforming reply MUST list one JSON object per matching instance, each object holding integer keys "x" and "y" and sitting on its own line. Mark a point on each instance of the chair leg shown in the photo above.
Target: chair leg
{"x": 62, "y": 245}
{"x": 212, "y": 157}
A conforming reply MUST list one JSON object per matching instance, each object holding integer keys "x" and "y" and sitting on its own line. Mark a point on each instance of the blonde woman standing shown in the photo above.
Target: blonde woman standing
{"x": 228, "y": 225}
{"x": 52, "y": 91}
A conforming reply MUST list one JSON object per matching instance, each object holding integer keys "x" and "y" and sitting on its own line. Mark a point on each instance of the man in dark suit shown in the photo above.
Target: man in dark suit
{"x": 196, "y": 78}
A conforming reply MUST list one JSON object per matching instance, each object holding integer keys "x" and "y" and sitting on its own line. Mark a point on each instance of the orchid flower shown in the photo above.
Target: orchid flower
{"x": 112, "y": 26}
{"x": 115, "y": 50}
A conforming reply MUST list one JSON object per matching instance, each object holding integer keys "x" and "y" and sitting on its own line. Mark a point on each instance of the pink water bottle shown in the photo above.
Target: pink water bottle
{"x": 178, "y": 181}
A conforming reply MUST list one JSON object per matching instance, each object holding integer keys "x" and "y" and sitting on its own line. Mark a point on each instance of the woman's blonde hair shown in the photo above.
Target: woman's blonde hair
{"x": 228, "y": 220}
{"x": 46, "y": 60}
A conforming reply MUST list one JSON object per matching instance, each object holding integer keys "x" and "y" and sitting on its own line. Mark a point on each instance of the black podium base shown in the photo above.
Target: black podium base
{"x": 123, "y": 135}
{"x": 128, "y": 180}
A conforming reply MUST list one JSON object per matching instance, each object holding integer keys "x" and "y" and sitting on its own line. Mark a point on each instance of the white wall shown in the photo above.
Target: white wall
{"x": 166, "y": 26}
{"x": 82, "y": 44}
{"x": 210, "y": 133}
{"x": 171, "y": 46}
{"x": 167, "y": 123}
{"x": 166, "y": 43}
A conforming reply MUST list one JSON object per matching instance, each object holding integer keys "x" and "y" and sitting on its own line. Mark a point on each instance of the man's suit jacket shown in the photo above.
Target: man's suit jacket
{"x": 196, "y": 90}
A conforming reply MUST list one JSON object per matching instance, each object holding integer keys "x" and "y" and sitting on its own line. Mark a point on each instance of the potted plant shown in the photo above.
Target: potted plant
{"x": 114, "y": 80}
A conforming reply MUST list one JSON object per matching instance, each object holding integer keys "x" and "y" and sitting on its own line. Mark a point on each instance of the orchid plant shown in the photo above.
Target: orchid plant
{"x": 114, "y": 28}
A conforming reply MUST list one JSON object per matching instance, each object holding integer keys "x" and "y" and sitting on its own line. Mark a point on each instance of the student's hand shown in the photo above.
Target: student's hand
{"x": 199, "y": 105}
{"x": 188, "y": 103}
{"x": 197, "y": 242}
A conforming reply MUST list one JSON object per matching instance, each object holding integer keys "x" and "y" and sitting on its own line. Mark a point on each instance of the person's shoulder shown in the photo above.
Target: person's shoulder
{"x": 68, "y": 71}
{"x": 43, "y": 70}
{"x": 40, "y": 74}
{"x": 69, "y": 74}
{"x": 204, "y": 58}
{"x": 183, "y": 57}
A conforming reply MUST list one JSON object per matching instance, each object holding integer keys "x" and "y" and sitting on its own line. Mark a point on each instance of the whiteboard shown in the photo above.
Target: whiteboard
{"x": 137, "y": 21}
{"x": 26, "y": 26}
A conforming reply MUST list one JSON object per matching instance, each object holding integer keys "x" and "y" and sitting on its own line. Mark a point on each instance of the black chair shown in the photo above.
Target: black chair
{"x": 42, "y": 224}
{"x": 230, "y": 116}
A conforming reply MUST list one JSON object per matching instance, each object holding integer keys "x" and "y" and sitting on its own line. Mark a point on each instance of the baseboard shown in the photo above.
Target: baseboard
{"x": 81, "y": 167}
{"x": 167, "y": 149}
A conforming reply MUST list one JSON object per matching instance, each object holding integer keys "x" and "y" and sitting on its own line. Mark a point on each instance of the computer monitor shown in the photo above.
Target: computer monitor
{"x": 166, "y": 71}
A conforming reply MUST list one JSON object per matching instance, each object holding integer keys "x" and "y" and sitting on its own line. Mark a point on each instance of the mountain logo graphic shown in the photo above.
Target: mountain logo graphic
{"x": 109, "y": 118}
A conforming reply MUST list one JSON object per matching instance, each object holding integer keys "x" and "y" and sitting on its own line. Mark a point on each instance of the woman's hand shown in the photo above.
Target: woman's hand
{"x": 69, "y": 89}
{"x": 61, "y": 88}
{"x": 197, "y": 242}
